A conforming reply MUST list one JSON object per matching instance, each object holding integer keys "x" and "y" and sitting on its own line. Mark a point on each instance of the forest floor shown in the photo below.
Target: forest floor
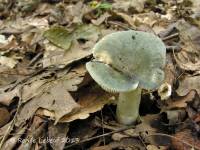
{"x": 48, "y": 99}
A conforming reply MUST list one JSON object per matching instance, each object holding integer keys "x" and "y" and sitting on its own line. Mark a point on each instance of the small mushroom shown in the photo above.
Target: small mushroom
{"x": 127, "y": 62}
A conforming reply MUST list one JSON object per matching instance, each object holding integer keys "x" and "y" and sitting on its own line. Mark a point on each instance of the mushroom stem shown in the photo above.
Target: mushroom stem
{"x": 128, "y": 106}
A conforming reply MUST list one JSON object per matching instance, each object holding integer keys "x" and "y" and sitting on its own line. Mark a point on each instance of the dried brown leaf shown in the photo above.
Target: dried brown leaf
{"x": 58, "y": 133}
{"x": 90, "y": 102}
{"x": 126, "y": 143}
{"x": 188, "y": 83}
{"x": 188, "y": 58}
{"x": 56, "y": 99}
{"x": 11, "y": 142}
{"x": 184, "y": 137}
{"x": 181, "y": 102}
{"x": 4, "y": 116}
{"x": 126, "y": 5}
{"x": 33, "y": 134}
{"x": 153, "y": 147}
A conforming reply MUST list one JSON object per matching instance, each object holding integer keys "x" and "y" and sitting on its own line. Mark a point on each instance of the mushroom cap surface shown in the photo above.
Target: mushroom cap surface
{"x": 125, "y": 60}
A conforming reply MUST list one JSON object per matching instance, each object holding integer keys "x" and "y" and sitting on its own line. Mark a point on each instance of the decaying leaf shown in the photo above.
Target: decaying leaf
{"x": 81, "y": 41}
{"x": 181, "y": 102}
{"x": 58, "y": 133}
{"x": 11, "y": 142}
{"x": 101, "y": 19}
{"x": 89, "y": 103}
{"x": 188, "y": 83}
{"x": 126, "y": 5}
{"x": 9, "y": 62}
{"x": 56, "y": 99}
{"x": 39, "y": 84}
{"x": 8, "y": 43}
{"x": 60, "y": 37}
{"x": 56, "y": 88}
{"x": 185, "y": 140}
{"x": 63, "y": 38}
{"x": 39, "y": 92}
{"x": 126, "y": 143}
{"x": 4, "y": 116}
{"x": 33, "y": 134}
{"x": 188, "y": 58}
{"x": 196, "y": 5}
{"x": 2, "y": 39}
{"x": 59, "y": 57}
{"x": 6, "y": 98}
{"x": 153, "y": 147}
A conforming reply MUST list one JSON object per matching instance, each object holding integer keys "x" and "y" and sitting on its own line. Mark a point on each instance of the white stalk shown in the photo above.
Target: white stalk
{"x": 128, "y": 106}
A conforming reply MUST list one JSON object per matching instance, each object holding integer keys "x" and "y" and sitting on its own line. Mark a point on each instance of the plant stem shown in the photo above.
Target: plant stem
{"x": 128, "y": 106}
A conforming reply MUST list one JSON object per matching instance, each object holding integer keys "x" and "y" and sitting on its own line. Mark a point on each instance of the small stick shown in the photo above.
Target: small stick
{"x": 38, "y": 56}
{"x": 170, "y": 37}
{"x": 99, "y": 136}
{"x": 122, "y": 25}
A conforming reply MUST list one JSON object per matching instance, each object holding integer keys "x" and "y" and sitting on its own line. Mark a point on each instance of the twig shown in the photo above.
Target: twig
{"x": 142, "y": 142}
{"x": 38, "y": 56}
{"x": 99, "y": 136}
{"x": 124, "y": 26}
{"x": 104, "y": 141}
{"x": 170, "y": 37}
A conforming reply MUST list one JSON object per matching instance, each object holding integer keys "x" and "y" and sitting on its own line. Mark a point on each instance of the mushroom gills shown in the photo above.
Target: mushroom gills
{"x": 110, "y": 79}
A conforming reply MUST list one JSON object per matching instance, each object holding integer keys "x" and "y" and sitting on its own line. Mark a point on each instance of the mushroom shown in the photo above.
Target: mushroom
{"x": 127, "y": 62}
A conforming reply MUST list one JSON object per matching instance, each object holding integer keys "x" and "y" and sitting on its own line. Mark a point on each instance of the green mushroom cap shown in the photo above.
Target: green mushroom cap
{"x": 126, "y": 60}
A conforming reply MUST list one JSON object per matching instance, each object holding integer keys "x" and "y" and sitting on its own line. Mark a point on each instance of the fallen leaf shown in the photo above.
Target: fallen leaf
{"x": 8, "y": 75}
{"x": 4, "y": 116}
{"x": 90, "y": 102}
{"x": 130, "y": 20}
{"x": 2, "y": 39}
{"x": 27, "y": 6}
{"x": 183, "y": 137}
{"x": 9, "y": 43}
{"x": 6, "y": 98}
{"x": 58, "y": 133}
{"x": 5, "y": 128}
{"x": 188, "y": 83}
{"x": 72, "y": 41}
{"x": 59, "y": 36}
{"x": 82, "y": 130}
{"x": 126, "y": 143}
{"x": 39, "y": 84}
{"x": 126, "y": 5}
{"x": 148, "y": 129}
{"x": 60, "y": 58}
{"x": 196, "y": 5}
{"x": 153, "y": 147}
{"x": 101, "y": 19}
{"x": 63, "y": 38}
{"x": 11, "y": 142}
{"x": 9, "y": 62}
{"x": 188, "y": 58}
{"x": 181, "y": 101}
{"x": 75, "y": 13}
{"x": 56, "y": 99}
{"x": 33, "y": 134}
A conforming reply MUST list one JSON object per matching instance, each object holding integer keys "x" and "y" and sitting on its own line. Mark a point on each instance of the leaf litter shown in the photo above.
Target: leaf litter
{"x": 46, "y": 92}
